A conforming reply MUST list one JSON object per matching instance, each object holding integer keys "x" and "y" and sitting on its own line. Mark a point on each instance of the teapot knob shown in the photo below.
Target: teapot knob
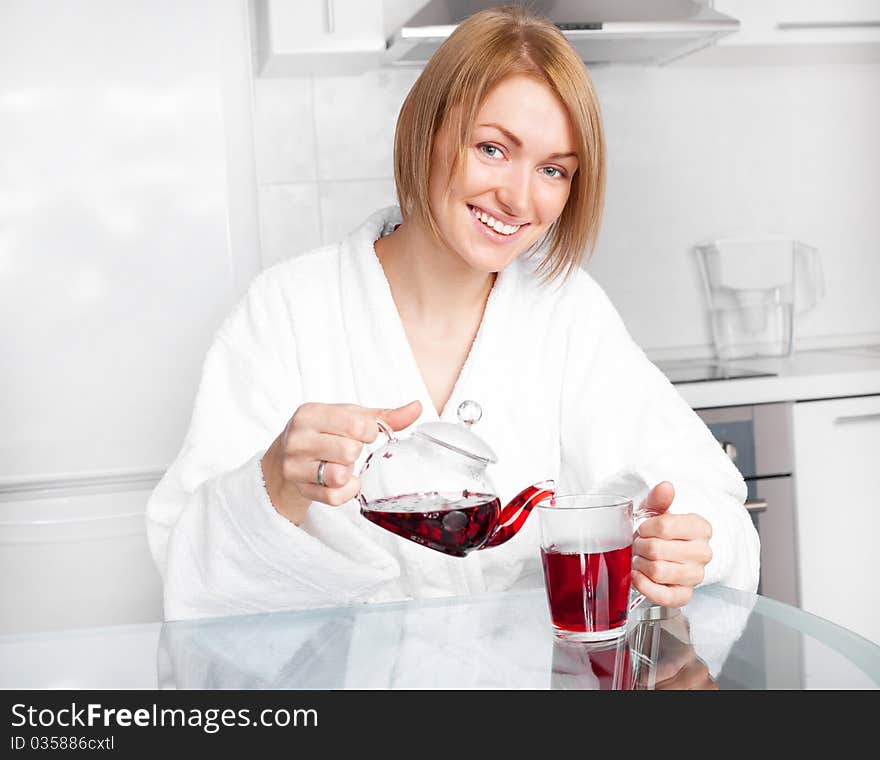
{"x": 469, "y": 412}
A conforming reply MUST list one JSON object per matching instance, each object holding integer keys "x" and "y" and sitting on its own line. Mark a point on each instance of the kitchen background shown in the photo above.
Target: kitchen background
{"x": 148, "y": 172}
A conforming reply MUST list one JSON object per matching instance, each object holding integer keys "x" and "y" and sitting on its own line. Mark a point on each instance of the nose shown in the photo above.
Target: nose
{"x": 513, "y": 194}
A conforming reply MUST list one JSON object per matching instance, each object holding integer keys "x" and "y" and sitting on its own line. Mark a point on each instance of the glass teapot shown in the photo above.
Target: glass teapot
{"x": 432, "y": 488}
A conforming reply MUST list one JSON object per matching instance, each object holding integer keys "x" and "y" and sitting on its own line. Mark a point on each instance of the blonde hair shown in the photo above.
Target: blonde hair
{"x": 485, "y": 49}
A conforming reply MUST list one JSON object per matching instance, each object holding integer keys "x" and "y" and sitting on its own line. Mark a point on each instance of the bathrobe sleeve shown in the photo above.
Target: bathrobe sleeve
{"x": 624, "y": 425}
{"x": 219, "y": 544}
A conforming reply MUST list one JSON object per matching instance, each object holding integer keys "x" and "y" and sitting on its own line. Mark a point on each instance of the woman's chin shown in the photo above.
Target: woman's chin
{"x": 486, "y": 264}
{"x": 488, "y": 258}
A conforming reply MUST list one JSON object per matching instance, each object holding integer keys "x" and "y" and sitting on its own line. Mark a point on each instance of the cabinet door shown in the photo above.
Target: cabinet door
{"x": 797, "y": 32}
{"x": 799, "y": 22}
{"x": 296, "y": 37}
{"x": 837, "y": 482}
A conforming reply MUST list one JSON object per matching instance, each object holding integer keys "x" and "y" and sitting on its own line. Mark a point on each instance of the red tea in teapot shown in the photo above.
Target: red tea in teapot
{"x": 454, "y": 524}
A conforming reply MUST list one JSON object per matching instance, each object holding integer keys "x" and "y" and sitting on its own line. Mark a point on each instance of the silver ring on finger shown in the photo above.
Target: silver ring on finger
{"x": 320, "y": 478}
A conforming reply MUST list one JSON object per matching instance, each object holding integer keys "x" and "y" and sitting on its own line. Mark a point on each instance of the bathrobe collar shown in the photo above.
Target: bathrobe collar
{"x": 386, "y": 374}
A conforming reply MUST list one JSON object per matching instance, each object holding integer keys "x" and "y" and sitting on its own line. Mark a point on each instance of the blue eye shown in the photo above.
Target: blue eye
{"x": 485, "y": 148}
{"x": 559, "y": 172}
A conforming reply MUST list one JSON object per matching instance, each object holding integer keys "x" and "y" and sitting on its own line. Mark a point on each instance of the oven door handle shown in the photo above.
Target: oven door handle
{"x": 856, "y": 418}
{"x": 756, "y": 505}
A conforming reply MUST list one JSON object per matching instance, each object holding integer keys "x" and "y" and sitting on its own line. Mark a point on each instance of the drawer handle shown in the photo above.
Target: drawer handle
{"x": 856, "y": 418}
{"x": 756, "y": 505}
{"x": 331, "y": 17}
{"x": 799, "y": 25}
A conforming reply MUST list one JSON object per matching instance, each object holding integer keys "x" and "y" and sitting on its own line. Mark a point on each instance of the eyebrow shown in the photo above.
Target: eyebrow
{"x": 516, "y": 141}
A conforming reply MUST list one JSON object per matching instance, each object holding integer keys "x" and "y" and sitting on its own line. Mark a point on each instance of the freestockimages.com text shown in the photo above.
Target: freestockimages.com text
{"x": 210, "y": 720}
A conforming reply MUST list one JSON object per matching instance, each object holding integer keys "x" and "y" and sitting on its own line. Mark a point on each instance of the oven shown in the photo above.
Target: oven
{"x": 758, "y": 439}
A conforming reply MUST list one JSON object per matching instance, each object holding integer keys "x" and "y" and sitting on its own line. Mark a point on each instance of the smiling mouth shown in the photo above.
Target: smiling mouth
{"x": 493, "y": 224}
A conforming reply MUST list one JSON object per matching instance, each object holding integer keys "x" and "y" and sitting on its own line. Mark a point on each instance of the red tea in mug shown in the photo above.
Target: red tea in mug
{"x": 588, "y": 592}
{"x": 586, "y": 551}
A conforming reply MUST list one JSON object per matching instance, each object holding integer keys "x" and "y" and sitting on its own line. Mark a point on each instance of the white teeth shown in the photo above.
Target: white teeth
{"x": 495, "y": 224}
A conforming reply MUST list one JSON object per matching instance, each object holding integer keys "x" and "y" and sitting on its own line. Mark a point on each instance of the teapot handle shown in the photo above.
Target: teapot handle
{"x": 383, "y": 426}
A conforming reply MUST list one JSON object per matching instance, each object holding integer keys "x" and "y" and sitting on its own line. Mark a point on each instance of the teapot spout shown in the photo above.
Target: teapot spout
{"x": 514, "y": 515}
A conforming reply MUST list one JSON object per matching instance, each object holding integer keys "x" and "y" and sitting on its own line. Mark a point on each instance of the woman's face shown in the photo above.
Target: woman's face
{"x": 516, "y": 177}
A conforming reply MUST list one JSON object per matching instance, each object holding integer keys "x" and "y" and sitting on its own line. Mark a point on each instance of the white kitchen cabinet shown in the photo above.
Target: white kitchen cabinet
{"x": 798, "y": 31}
{"x": 837, "y": 481}
{"x": 301, "y": 37}
{"x": 79, "y": 559}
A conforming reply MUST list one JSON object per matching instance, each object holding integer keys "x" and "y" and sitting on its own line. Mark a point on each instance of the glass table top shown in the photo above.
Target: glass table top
{"x": 723, "y": 639}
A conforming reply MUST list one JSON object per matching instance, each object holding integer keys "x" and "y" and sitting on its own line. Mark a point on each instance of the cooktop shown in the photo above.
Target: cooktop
{"x": 695, "y": 373}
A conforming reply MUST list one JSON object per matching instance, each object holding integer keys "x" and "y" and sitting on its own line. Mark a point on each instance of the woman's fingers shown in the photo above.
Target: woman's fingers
{"x": 307, "y": 443}
{"x": 698, "y": 552}
{"x": 332, "y": 496}
{"x": 336, "y": 448}
{"x": 334, "y": 434}
{"x": 402, "y": 416}
{"x": 305, "y": 471}
{"x": 352, "y": 421}
{"x": 346, "y": 420}
{"x": 337, "y": 475}
{"x": 666, "y": 571}
{"x": 665, "y": 596}
{"x": 671, "y": 526}
{"x": 670, "y": 573}
{"x": 660, "y": 497}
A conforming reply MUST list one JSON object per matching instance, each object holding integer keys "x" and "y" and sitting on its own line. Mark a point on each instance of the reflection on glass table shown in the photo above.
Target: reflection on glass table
{"x": 723, "y": 639}
{"x": 656, "y": 653}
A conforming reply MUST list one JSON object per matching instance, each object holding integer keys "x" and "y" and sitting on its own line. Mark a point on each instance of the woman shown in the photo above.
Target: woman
{"x": 470, "y": 290}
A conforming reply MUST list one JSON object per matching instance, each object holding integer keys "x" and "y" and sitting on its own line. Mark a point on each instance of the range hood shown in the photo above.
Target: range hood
{"x": 648, "y": 32}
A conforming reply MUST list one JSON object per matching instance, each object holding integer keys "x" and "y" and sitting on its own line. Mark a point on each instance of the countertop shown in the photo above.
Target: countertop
{"x": 802, "y": 376}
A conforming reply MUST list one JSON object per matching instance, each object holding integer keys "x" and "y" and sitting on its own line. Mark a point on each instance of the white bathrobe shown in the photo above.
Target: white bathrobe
{"x": 566, "y": 395}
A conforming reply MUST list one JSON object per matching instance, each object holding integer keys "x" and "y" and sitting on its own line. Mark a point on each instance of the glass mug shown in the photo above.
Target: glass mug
{"x": 586, "y": 554}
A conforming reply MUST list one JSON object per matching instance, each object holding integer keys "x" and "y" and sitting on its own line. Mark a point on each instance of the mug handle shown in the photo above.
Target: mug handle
{"x": 639, "y": 516}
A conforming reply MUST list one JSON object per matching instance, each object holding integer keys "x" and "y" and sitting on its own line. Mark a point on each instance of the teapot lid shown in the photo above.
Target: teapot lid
{"x": 459, "y": 437}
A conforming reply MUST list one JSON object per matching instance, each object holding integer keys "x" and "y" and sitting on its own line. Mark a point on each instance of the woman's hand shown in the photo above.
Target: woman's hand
{"x": 332, "y": 433}
{"x": 670, "y": 552}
